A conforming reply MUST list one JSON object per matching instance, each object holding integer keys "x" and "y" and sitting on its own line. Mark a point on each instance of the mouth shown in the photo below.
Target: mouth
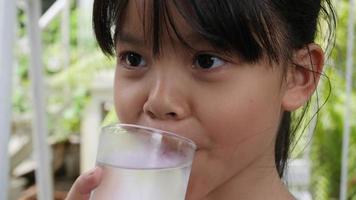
{"x": 177, "y": 131}
{"x": 165, "y": 132}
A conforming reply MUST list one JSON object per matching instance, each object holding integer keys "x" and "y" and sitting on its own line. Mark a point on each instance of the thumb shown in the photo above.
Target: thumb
{"x": 84, "y": 184}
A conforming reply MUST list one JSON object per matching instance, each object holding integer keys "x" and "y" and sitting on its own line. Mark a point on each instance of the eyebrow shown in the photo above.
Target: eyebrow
{"x": 130, "y": 39}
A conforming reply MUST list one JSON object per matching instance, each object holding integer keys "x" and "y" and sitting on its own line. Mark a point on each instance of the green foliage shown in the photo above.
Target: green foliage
{"x": 21, "y": 19}
{"x": 327, "y": 143}
{"x": 70, "y": 92}
{"x": 67, "y": 89}
{"x": 66, "y": 121}
{"x": 52, "y": 32}
{"x": 110, "y": 118}
{"x": 340, "y": 50}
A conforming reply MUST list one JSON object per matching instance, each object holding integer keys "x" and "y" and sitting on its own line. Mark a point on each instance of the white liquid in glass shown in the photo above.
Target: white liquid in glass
{"x": 142, "y": 184}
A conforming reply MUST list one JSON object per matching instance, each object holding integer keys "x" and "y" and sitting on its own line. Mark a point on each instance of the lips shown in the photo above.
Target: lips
{"x": 178, "y": 128}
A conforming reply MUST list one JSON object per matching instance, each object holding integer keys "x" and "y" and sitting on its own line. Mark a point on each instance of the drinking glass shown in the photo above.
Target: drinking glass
{"x": 142, "y": 163}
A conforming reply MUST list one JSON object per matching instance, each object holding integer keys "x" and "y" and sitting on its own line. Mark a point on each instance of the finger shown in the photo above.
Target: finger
{"x": 84, "y": 184}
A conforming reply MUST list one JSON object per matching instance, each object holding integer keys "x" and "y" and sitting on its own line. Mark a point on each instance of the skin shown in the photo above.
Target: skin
{"x": 231, "y": 111}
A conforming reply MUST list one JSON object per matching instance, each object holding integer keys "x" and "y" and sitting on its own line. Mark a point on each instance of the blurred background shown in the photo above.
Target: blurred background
{"x": 59, "y": 86}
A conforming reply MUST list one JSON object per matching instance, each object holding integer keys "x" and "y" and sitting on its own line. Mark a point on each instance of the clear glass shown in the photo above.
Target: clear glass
{"x": 141, "y": 163}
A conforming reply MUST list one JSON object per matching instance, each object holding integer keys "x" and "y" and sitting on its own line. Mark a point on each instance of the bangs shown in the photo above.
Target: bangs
{"x": 248, "y": 28}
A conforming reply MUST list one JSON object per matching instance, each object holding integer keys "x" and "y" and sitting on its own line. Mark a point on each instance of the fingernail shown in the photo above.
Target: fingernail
{"x": 91, "y": 172}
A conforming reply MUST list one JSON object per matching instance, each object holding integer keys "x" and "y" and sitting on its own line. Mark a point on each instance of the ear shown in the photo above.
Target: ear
{"x": 302, "y": 79}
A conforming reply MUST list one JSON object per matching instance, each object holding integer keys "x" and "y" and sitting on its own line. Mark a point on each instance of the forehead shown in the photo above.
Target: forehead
{"x": 143, "y": 24}
{"x": 148, "y": 13}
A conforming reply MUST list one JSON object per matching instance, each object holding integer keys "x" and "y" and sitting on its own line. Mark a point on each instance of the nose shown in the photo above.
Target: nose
{"x": 166, "y": 101}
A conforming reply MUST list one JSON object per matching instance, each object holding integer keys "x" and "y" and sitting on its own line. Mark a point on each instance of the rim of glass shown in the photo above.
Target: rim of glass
{"x": 167, "y": 133}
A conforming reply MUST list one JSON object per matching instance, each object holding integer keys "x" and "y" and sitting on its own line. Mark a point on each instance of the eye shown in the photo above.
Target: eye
{"x": 208, "y": 61}
{"x": 132, "y": 59}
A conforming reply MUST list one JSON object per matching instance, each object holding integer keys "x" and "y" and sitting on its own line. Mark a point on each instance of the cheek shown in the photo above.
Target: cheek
{"x": 246, "y": 121}
{"x": 242, "y": 127}
{"x": 248, "y": 117}
{"x": 129, "y": 97}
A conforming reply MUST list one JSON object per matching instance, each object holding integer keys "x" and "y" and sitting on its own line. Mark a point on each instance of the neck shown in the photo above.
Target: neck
{"x": 257, "y": 181}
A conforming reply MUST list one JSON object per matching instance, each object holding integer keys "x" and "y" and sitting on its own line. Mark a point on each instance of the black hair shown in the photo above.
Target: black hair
{"x": 250, "y": 28}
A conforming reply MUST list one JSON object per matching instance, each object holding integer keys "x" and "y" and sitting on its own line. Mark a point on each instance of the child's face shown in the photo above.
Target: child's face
{"x": 230, "y": 109}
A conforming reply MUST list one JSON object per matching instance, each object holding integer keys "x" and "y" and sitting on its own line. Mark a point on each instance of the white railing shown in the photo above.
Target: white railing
{"x": 35, "y": 24}
{"x": 43, "y": 173}
{"x": 347, "y": 115}
{"x": 7, "y": 32}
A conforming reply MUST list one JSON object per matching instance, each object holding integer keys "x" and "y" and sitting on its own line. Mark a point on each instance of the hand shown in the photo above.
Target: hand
{"x": 84, "y": 184}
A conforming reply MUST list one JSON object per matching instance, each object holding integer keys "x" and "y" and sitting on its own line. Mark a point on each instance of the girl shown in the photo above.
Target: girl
{"x": 225, "y": 73}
